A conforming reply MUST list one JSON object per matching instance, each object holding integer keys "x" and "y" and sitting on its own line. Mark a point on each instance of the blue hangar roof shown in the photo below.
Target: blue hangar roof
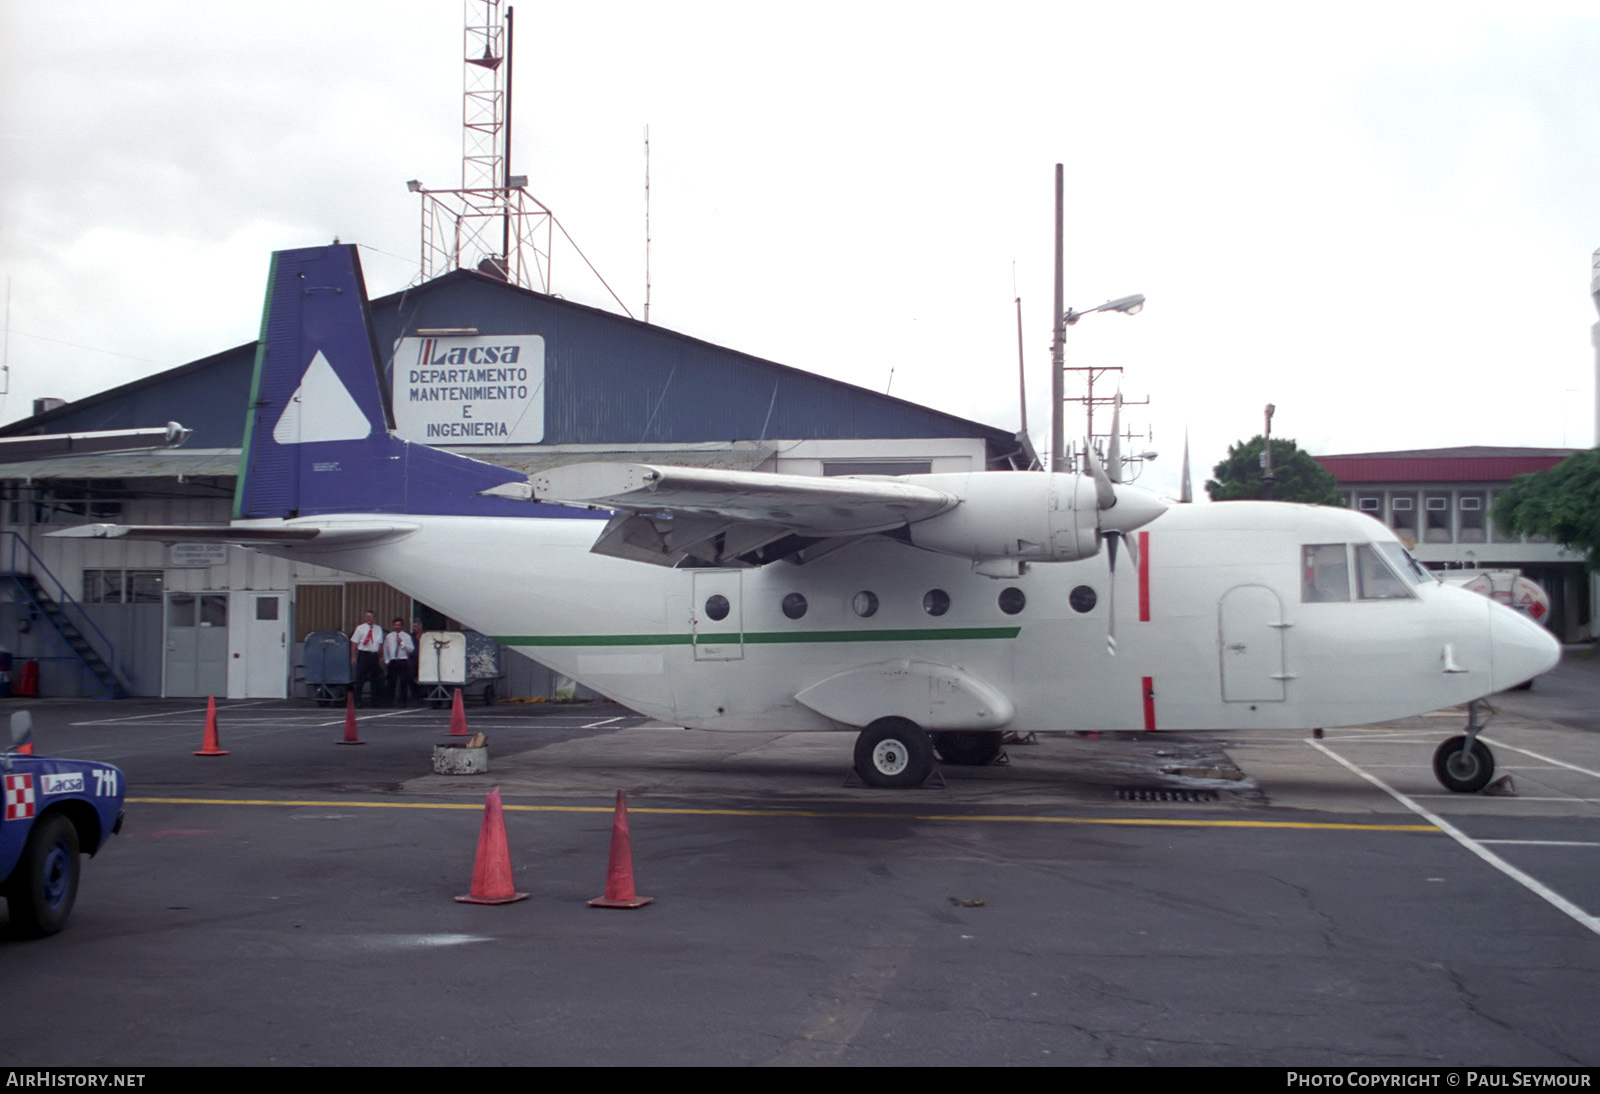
{"x": 608, "y": 380}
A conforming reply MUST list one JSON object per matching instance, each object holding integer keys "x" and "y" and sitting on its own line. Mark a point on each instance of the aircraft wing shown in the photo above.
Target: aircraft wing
{"x": 82, "y": 444}
{"x": 668, "y": 514}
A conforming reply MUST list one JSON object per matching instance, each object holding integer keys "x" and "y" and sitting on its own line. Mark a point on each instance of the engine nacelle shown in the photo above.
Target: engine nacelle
{"x": 1026, "y": 516}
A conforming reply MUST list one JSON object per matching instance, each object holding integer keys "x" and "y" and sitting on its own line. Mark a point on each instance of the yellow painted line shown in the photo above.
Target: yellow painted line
{"x": 987, "y": 818}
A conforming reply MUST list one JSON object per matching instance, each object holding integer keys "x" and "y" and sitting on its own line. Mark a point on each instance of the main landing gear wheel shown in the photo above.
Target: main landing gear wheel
{"x": 1463, "y": 766}
{"x": 894, "y": 754}
{"x": 968, "y": 747}
{"x": 46, "y": 879}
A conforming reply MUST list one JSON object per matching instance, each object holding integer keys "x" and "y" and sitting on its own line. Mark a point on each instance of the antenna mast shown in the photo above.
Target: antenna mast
{"x": 459, "y": 226}
{"x": 647, "y": 224}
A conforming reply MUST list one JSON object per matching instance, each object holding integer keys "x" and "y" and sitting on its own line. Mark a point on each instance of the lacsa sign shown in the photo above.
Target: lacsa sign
{"x": 486, "y": 389}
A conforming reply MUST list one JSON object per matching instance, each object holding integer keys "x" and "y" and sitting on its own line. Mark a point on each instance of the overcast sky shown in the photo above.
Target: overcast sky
{"x": 1381, "y": 218}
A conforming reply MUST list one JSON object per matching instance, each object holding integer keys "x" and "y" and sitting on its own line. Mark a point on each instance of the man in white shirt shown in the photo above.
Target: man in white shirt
{"x": 397, "y": 650}
{"x": 365, "y": 641}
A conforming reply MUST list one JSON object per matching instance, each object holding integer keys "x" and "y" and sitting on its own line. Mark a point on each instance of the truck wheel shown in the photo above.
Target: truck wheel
{"x": 46, "y": 879}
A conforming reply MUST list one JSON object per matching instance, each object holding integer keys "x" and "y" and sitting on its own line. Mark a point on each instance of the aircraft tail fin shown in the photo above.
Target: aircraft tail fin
{"x": 318, "y": 434}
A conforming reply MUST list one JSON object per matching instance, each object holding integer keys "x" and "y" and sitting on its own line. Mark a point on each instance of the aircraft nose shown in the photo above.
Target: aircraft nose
{"x": 1520, "y": 648}
{"x": 1134, "y": 509}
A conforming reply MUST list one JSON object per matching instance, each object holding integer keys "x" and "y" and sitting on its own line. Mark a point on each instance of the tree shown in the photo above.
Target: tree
{"x": 1562, "y": 503}
{"x": 1296, "y": 476}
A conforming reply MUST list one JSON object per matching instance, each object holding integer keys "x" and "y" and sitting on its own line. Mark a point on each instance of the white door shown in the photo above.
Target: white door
{"x": 261, "y": 644}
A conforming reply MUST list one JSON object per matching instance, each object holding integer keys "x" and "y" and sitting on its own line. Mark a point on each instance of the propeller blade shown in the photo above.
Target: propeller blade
{"x": 1186, "y": 492}
{"x": 1133, "y": 548}
{"x": 1111, "y": 593}
{"x": 1105, "y": 495}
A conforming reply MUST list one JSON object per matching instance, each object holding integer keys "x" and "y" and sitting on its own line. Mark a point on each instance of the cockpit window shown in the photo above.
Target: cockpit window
{"x": 1407, "y": 566}
{"x": 1325, "y": 573}
{"x": 1374, "y": 579}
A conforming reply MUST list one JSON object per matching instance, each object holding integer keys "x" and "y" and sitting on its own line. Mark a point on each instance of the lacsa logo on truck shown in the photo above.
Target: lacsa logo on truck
{"x": 62, "y": 784}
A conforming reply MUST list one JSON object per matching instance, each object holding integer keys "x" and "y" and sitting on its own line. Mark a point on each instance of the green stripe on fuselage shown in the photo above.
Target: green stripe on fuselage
{"x": 751, "y": 638}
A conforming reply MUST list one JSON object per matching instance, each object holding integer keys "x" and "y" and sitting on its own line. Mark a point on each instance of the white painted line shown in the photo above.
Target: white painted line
{"x": 606, "y": 722}
{"x": 1498, "y": 767}
{"x": 1532, "y": 884}
{"x": 125, "y": 720}
{"x": 1542, "y": 842}
{"x": 339, "y": 721}
{"x": 1544, "y": 759}
{"x": 1516, "y": 797}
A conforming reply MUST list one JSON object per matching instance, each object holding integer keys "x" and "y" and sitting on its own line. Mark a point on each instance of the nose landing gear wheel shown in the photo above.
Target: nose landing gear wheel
{"x": 1462, "y": 766}
{"x": 893, "y": 754}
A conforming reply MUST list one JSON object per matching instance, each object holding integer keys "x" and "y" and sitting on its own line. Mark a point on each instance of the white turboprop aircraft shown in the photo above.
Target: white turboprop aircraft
{"x": 925, "y": 612}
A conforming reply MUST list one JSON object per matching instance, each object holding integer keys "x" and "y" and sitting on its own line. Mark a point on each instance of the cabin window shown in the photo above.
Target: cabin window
{"x": 936, "y": 602}
{"x": 1325, "y": 573}
{"x": 794, "y": 605}
{"x": 1012, "y": 600}
{"x": 1082, "y": 599}
{"x": 717, "y": 607}
{"x": 864, "y": 604}
{"x": 1374, "y": 579}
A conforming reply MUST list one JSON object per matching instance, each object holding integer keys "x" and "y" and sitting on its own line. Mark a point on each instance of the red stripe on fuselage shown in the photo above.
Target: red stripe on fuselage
{"x": 1147, "y": 687}
{"x": 1144, "y": 577}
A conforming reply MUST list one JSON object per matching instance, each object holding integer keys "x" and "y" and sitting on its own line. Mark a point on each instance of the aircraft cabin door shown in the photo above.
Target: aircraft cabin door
{"x": 716, "y": 615}
{"x": 1250, "y": 645}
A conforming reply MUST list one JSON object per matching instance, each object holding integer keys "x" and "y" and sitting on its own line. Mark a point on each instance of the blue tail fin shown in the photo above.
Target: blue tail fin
{"x": 317, "y": 432}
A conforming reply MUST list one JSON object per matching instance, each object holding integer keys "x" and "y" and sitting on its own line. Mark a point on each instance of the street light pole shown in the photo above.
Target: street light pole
{"x": 1266, "y": 455}
{"x": 1064, "y": 318}
{"x": 1058, "y": 391}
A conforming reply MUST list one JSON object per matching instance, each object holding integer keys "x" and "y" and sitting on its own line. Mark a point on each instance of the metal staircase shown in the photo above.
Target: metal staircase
{"x": 61, "y": 619}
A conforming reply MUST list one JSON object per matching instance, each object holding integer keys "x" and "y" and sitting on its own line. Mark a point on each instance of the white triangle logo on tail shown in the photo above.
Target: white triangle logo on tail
{"x": 321, "y": 409}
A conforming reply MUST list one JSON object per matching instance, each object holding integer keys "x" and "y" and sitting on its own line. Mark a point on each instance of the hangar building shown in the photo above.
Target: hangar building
{"x": 477, "y": 366}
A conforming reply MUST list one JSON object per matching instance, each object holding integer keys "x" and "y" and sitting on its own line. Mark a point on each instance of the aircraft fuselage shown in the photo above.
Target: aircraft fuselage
{"x": 1217, "y": 627}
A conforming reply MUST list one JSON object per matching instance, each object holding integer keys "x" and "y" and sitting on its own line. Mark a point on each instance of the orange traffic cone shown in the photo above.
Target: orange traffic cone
{"x": 458, "y": 717}
{"x": 491, "y": 873}
{"x": 211, "y": 747}
{"x": 619, "y": 875}
{"x": 350, "y": 735}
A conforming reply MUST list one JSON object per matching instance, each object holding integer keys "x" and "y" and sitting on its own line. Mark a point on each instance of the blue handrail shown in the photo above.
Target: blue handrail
{"x": 70, "y": 607}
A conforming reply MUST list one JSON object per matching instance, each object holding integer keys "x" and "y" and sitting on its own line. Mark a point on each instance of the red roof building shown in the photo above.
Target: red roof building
{"x": 1438, "y": 501}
